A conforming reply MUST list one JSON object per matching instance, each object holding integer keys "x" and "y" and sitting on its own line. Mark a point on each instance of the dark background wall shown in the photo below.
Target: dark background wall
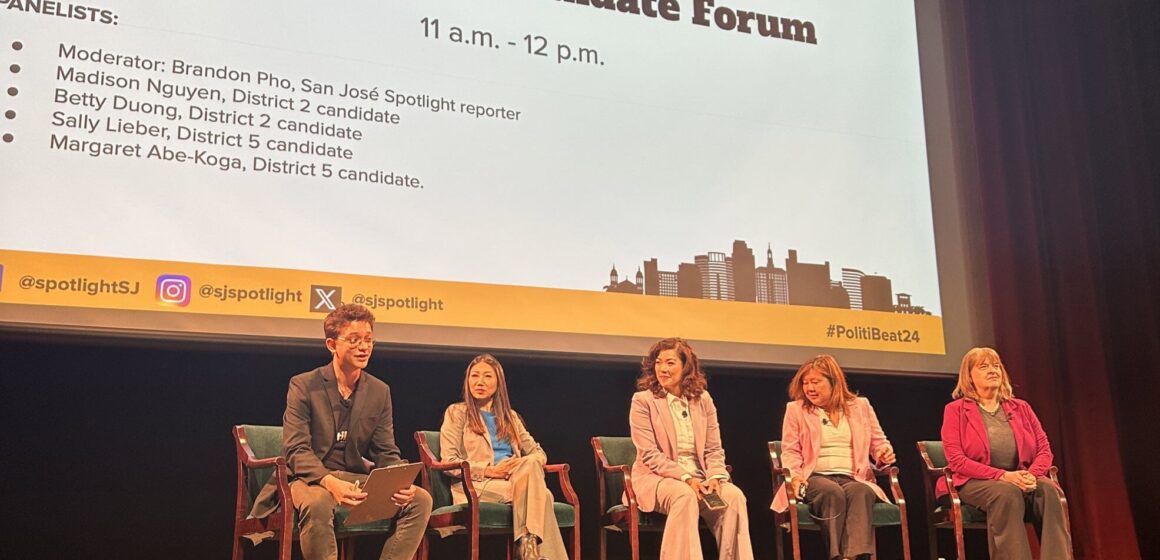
{"x": 115, "y": 450}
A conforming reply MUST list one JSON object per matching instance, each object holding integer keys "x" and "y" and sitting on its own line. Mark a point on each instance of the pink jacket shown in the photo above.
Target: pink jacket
{"x": 801, "y": 442}
{"x": 968, "y": 449}
{"x": 655, "y": 436}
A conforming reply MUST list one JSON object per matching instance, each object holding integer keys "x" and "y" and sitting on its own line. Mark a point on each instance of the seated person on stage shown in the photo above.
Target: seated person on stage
{"x": 507, "y": 465}
{"x": 999, "y": 456}
{"x": 827, "y": 439}
{"x": 335, "y": 416}
{"x": 679, "y": 457}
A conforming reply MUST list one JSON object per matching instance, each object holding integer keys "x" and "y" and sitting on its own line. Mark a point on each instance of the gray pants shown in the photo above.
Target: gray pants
{"x": 316, "y": 506}
{"x": 1008, "y": 507}
{"x": 844, "y": 508}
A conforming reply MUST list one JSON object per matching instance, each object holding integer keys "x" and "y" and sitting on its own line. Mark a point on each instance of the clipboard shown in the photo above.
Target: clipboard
{"x": 380, "y": 486}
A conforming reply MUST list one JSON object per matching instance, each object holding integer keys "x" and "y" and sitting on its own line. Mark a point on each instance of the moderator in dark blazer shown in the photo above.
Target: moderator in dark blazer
{"x": 310, "y": 426}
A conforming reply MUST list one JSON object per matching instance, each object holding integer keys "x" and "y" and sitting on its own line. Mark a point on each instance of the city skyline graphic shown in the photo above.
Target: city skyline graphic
{"x": 716, "y": 275}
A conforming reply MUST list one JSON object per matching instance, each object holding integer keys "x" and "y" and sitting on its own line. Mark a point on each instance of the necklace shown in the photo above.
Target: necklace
{"x": 992, "y": 413}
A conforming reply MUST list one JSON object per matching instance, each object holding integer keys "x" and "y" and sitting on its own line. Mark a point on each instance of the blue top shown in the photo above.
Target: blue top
{"x": 501, "y": 447}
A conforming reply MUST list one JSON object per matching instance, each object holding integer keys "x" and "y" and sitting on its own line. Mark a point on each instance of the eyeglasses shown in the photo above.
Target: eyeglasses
{"x": 356, "y": 341}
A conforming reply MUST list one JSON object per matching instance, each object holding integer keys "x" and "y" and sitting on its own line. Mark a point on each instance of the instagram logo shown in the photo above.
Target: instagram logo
{"x": 173, "y": 289}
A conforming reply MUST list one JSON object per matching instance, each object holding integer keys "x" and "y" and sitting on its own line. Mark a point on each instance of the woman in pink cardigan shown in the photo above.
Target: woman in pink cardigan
{"x": 1000, "y": 456}
{"x": 827, "y": 439}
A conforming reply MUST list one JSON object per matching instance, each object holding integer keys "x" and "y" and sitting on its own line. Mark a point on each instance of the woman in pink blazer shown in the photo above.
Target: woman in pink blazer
{"x": 999, "y": 455}
{"x": 827, "y": 439}
{"x": 679, "y": 459}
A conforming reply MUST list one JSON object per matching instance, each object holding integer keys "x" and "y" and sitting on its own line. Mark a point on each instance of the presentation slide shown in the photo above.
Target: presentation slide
{"x": 743, "y": 172}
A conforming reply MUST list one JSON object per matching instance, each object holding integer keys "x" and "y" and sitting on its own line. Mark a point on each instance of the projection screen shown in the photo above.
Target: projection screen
{"x": 769, "y": 179}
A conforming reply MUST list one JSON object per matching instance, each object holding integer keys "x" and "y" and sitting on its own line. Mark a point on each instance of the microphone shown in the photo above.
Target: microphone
{"x": 684, "y": 414}
{"x": 825, "y": 421}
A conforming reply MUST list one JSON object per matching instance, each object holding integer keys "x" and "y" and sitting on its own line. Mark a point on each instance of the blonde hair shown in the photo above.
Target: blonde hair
{"x": 827, "y": 366}
{"x": 966, "y": 387}
{"x": 501, "y": 407}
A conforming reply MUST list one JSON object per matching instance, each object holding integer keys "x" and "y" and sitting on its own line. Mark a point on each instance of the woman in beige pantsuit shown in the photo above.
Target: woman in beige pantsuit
{"x": 507, "y": 465}
{"x": 679, "y": 458}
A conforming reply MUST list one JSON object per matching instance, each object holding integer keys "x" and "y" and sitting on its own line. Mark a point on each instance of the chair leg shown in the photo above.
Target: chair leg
{"x": 421, "y": 554}
{"x": 634, "y": 542}
{"x": 237, "y": 555}
{"x": 906, "y": 543}
{"x": 576, "y": 541}
{"x": 285, "y": 542}
{"x": 960, "y": 545}
{"x": 603, "y": 544}
{"x": 931, "y": 539}
{"x": 475, "y": 543}
{"x": 779, "y": 539}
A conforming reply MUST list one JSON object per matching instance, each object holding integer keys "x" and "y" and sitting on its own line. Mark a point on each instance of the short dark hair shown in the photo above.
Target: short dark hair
{"x": 344, "y": 315}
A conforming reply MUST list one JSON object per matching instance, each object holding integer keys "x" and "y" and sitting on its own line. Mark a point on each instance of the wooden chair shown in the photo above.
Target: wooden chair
{"x": 614, "y": 457}
{"x": 958, "y": 516}
{"x": 259, "y": 451}
{"x": 797, "y": 517}
{"x": 477, "y": 518}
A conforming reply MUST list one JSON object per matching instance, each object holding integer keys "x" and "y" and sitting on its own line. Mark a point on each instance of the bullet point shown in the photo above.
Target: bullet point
{"x": 10, "y": 114}
{"x": 15, "y": 68}
{"x": 13, "y": 91}
{"x": 17, "y": 45}
{"x": 7, "y": 138}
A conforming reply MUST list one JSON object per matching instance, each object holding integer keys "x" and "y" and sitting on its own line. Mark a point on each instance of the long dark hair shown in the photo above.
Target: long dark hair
{"x": 501, "y": 407}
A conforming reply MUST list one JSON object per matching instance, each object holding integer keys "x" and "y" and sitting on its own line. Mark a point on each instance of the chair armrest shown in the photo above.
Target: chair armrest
{"x": 251, "y": 463}
{"x": 464, "y": 477}
{"x": 562, "y": 471}
{"x": 629, "y": 491}
{"x": 451, "y": 465}
{"x": 890, "y": 472}
{"x": 783, "y": 477}
{"x": 1053, "y": 474}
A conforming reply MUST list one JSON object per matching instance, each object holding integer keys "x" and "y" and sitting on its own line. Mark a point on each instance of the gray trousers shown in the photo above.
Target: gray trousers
{"x": 1008, "y": 507}
{"x": 316, "y": 507}
{"x": 844, "y": 508}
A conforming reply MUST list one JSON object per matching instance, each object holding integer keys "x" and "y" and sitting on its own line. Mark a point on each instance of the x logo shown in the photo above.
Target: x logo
{"x": 323, "y": 299}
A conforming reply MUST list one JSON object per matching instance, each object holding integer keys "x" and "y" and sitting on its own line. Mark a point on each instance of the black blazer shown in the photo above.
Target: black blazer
{"x": 310, "y": 425}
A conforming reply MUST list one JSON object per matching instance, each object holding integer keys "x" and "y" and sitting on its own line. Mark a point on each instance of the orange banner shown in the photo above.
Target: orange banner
{"x": 133, "y": 284}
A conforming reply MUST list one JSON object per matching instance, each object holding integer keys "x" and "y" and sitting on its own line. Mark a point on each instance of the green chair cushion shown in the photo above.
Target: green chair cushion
{"x": 645, "y": 519}
{"x": 499, "y": 516}
{"x": 971, "y": 514}
{"x": 884, "y": 515}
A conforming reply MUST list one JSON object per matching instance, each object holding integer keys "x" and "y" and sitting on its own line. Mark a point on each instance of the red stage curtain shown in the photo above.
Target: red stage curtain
{"x": 1064, "y": 103}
